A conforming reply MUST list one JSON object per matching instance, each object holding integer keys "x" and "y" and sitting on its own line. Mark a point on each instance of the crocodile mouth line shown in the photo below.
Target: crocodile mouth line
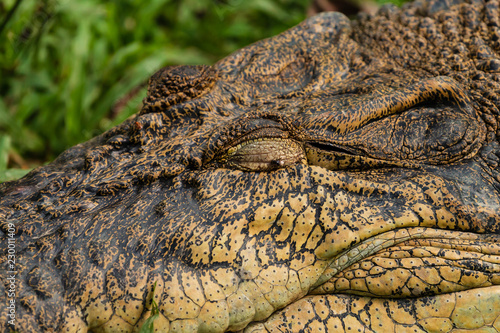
{"x": 468, "y": 302}
{"x": 446, "y": 250}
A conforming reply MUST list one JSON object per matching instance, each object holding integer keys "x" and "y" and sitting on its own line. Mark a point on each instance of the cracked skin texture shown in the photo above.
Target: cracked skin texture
{"x": 340, "y": 177}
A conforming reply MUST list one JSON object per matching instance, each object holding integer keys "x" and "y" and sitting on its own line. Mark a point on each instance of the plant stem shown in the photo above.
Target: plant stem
{"x": 9, "y": 15}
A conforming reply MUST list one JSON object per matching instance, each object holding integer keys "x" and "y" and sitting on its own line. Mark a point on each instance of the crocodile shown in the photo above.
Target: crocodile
{"x": 339, "y": 177}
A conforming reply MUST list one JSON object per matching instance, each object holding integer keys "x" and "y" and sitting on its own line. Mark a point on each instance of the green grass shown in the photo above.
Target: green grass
{"x": 148, "y": 326}
{"x": 70, "y": 70}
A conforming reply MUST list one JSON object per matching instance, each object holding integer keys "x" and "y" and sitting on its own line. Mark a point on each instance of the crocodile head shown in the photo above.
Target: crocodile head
{"x": 342, "y": 176}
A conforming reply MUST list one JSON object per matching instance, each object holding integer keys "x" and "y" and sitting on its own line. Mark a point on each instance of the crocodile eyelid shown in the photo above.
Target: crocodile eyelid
{"x": 265, "y": 154}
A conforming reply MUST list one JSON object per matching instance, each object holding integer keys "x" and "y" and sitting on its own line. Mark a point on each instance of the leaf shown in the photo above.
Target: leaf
{"x": 148, "y": 326}
{"x": 12, "y": 174}
{"x": 4, "y": 151}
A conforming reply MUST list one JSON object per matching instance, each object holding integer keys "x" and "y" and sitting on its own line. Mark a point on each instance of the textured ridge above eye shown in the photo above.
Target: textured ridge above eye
{"x": 177, "y": 84}
{"x": 455, "y": 39}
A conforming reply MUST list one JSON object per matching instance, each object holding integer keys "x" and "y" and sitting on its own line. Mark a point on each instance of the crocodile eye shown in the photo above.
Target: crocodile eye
{"x": 333, "y": 157}
{"x": 265, "y": 154}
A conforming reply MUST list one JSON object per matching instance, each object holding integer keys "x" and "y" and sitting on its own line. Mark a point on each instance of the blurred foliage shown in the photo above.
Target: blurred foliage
{"x": 70, "y": 70}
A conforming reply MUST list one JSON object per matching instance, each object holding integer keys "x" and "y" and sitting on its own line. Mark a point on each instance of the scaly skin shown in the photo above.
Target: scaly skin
{"x": 342, "y": 176}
